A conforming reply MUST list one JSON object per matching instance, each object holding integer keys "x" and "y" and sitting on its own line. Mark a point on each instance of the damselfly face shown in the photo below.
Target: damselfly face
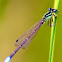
{"x": 52, "y": 10}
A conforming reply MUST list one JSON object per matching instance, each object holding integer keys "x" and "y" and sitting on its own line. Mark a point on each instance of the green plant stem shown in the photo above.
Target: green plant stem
{"x": 56, "y": 4}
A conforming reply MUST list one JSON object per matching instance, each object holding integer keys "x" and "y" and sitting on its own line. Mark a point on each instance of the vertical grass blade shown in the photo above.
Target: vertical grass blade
{"x": 52, "y": 40}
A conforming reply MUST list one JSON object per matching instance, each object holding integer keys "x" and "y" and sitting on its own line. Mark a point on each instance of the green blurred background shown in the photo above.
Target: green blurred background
{"x": 16, "y": 17}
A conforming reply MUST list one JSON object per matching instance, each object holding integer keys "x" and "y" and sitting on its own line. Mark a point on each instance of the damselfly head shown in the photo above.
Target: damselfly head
{"x": 54, "y": 10}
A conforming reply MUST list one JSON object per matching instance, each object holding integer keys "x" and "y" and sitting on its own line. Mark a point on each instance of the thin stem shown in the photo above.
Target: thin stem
{"x": 52, "y": 40}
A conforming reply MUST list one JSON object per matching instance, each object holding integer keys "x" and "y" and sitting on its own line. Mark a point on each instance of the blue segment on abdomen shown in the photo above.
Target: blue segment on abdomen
{"x": 7, "y": 59}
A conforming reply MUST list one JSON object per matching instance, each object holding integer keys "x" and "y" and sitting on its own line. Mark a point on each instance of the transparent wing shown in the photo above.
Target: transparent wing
{"x": 28, "y": 41}
{"x": 24, "y": 36}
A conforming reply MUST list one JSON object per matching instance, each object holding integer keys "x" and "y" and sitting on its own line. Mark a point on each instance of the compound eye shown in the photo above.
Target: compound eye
{"x": 54, "y": 10}
{"x": 49, "y": 9}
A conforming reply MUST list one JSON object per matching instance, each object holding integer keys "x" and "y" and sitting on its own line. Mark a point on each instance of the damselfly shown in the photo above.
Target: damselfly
{"x": 26, "y": 38}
